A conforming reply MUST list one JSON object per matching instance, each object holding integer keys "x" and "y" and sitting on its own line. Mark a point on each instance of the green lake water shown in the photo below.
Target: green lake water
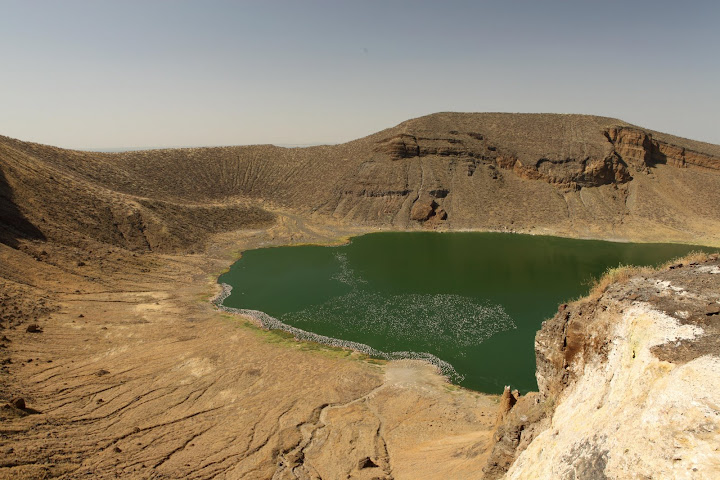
{"x": 473, "y": 300}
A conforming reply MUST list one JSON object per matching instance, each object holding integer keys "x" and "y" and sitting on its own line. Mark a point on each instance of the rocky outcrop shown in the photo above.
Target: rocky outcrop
{"x": 571, "y": 172}
{"x": 508, "y": 399}
{"x": 519, "y": 426}
{"x": 426, "y": 208}
{"x": 473, "y": 148}
{"x": 631, "y": 377}
{"x": 423, "y": 209}
{"x": 633, "y": 145}
{"x": 399, "y": 146}
{"x": 566, "y": 168}
{"x": 640, "y": 149}
{"x": 562, "y": 346}
{"x": 451, "y": 144}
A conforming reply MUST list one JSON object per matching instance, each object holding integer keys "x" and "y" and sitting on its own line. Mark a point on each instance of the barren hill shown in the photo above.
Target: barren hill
{"x": 113, "y": 361}
{"x": 573, "y": 175}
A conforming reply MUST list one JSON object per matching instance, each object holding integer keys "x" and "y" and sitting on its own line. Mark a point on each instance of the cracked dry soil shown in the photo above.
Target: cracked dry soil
{"x": 136, "y": 375}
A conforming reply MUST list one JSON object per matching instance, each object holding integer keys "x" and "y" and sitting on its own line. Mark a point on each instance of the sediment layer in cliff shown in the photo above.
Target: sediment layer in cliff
{"x": 573, "y": 175}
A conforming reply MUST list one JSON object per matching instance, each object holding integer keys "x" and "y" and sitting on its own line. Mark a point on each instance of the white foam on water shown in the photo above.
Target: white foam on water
{"x": 272, "y": 323}
{"x": 346, "y": 274}
{"x": 404, "y": 316}
{"x": 428, "y": 319}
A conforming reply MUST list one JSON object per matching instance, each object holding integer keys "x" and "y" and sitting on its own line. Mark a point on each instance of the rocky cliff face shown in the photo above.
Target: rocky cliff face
{"x": 571, "y": 175}
{"x": 639, "y": 148}
{"x": 629, "y": 384}
{"x": 627, "y": 146}
{"x": 472, "y": 149}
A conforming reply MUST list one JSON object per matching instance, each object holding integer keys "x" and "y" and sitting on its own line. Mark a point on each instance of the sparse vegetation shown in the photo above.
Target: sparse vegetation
{"x": 692, "y": 257}
{"x": 619, "y": 274}
{"x": 282, "y": 337}
{"x": 622, "y": 273}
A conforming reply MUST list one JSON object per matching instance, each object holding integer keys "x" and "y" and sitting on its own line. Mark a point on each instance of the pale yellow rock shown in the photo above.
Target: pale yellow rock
{"x": 634, "y": 416}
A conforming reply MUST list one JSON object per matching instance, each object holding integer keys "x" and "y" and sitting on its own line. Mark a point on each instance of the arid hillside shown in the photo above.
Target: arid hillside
{"x": 114, "y": 362}
{"x": 572, "y": 175}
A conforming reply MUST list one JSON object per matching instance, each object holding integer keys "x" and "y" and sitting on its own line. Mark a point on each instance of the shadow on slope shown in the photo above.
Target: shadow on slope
{"x": 13, "y": 224}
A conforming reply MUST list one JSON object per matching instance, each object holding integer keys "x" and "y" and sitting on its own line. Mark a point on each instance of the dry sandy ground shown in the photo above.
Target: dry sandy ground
{"x": 136, "y": 375}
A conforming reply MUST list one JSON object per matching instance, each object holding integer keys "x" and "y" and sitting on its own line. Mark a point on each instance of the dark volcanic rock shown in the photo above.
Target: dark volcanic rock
{"x": 366, "y": 463}
{"x": 33, "y": 328}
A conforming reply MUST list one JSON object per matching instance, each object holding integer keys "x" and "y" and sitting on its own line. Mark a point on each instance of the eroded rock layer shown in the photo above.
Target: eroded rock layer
{"x": 628, "y": 384}
{"x": 573, "y": 175}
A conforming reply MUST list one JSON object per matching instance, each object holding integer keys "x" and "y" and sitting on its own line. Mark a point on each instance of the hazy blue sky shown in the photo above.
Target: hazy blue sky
{"x": 166, "y": 73}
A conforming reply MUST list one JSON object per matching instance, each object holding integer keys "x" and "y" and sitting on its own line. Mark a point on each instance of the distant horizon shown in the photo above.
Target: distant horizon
{"x": 171, "y": 147}
{"x": 83, "y": 74}
{"x": 116, "y": 149}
